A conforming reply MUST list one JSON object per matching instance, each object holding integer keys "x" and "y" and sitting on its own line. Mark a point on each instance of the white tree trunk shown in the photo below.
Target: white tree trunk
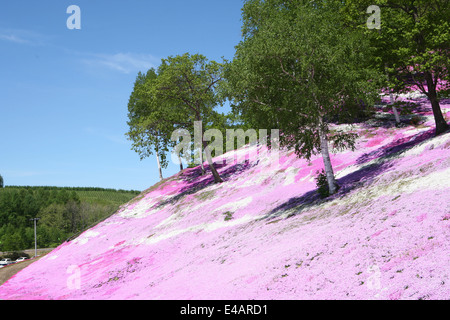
{"x": 201, "y": 162}
{"x": 397, "y": 118}
{"x": 159, "y": 165}
{"x": 332, "y": 185}
{"x": 391, "y": 98}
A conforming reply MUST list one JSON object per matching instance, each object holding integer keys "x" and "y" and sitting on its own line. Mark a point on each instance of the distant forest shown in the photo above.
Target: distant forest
{"x": 72, "y": 188}
{"x": 63, "y": 212}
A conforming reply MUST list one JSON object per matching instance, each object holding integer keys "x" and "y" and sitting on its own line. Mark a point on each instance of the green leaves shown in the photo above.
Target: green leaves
{"x": 184, "y": 89}
{"x": 147, "y": 132}
{"x": 414, "y": 34}
{"x": 298, "y": 63}
{"x": 414, "y": 47}
{"x": 189, "y": 86}
{"x": 189, "y": 83}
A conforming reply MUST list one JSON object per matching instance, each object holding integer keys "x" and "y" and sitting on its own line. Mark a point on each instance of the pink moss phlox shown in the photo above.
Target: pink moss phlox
{"x": 262, "y": 234}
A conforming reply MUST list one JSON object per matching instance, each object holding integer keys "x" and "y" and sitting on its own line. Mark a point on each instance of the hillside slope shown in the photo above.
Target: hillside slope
{"x": 265, "y": 234}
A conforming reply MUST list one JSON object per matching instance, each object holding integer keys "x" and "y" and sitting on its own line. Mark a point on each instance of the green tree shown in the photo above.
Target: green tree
{"x": 73, "y": 215}
{"x": 1, "y": 181}
{"x": 13, "y": 242}
{"x": 54, "y": 216}
{"x": 147, "y": 124}
{"x": 296, "y": 69}
{"x": 188, "y": 86}
{"x": 413, "y": 45}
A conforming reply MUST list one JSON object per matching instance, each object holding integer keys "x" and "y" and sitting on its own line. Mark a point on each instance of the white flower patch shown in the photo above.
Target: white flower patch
{"x": 439, "y": 179}
{"x": 233, "y": 206}
{"x": 241, "y": 153}
{"x": 247, "y": 183}
{"x": 344, "y": 127}
{"x": 207, "y": 227}
{"x": 410, "y": 95}
{"x": 257, "y": 179}
{"x": 52, "y": 257}
{"x": 197, "y": 206}
{"x": 230, "y": 223}
{"x": 347, "y": 170}
{"x": 436, "y": 180}
{"x": 166, "y": 222}
{"x": 290, "y": 174}
{"x": 436, "y": 141}
{"x": 171, "y": 234}
{"x": 85, "y": 237}
{"x": 110, "y": 222}
{"x": 139, "y": 210}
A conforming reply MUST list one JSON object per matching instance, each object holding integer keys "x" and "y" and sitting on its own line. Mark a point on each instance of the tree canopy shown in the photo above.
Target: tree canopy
{"x": 412, "y": 45}
{"x": 148, "y": 126}
{"x": 189, "y": 85}
{"x": 182, "y": 91}
{"x": 296, "y": 69}
{"x": 300, "y": 67}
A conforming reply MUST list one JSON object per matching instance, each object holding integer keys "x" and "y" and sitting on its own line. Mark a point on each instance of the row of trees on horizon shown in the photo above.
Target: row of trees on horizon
{"x": 68, "y": 188}
{"x": 300, "y": 66}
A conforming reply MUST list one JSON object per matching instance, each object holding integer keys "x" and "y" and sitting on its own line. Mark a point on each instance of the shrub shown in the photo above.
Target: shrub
{"x": 415, "y": 120}
{"x": 322, "y": 184}
{"x": 228, "y": 215}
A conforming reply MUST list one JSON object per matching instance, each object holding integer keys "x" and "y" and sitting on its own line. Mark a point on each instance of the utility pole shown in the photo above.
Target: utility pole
{"x": 35, "y": 238}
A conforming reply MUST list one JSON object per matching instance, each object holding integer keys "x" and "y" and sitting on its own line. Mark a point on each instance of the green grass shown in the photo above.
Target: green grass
{"x": 115, "y": 198}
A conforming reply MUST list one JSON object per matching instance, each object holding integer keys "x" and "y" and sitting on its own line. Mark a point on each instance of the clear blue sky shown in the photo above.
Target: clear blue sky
{"x": 64, "y": 93}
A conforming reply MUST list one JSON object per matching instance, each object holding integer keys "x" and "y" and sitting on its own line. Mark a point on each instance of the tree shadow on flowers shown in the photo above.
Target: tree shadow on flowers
{"x": 310, "y": 199}
{"x": 196, "y": 181}
{"x": 395, "y": 148}
{"x": 354, "y": 180}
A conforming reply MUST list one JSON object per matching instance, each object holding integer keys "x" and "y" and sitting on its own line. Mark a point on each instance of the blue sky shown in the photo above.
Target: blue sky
{"x": 64, "y": 93}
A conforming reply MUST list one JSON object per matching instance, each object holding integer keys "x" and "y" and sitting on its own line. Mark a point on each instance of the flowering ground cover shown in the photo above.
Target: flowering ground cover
{"x": 266, "y": 234}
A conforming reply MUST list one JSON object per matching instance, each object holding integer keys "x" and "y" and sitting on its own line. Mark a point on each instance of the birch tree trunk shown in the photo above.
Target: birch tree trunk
{"x": 397, "y": 118}
{"x": 159, "y": 165}
{"x": 217, "y": 178}
{"x": 391, "y": 99}
{"x": 391, "y": 96}
{"x": 332, "y": 185}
